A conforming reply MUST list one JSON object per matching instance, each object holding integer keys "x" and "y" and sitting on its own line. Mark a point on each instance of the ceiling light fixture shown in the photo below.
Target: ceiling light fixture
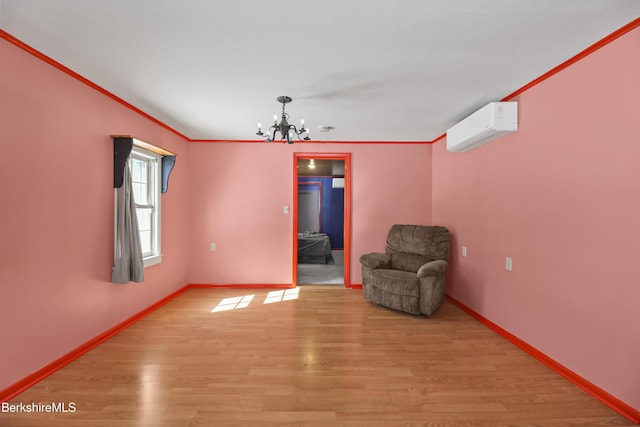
{"x": 312, "y": 164}
{"x": 286, "y": 130}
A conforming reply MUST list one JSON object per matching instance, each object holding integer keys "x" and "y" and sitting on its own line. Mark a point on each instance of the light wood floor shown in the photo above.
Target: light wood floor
{"x": 327, "y": 358}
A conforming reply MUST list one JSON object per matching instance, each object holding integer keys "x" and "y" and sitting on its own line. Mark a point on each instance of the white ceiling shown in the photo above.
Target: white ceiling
{"x": 376, "y": 70}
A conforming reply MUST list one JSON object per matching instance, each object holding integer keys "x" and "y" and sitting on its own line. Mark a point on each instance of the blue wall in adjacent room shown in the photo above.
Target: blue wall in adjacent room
{"x": 332, "y": 214}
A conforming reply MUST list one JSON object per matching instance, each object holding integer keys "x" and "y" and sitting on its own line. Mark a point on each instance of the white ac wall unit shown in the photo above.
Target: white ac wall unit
{"x": 337, "y": 183}
{"x": 488, "y": 123}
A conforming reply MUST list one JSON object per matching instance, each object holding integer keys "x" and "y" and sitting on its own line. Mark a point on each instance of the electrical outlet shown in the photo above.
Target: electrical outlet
{"x": 508, "y": 264}
{"x": 464, "y": 251}
{"x": 213, "y": 247}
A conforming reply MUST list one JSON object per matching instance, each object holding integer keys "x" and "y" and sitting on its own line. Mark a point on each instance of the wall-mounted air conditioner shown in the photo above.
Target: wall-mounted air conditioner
{"x": 488, "y": 123}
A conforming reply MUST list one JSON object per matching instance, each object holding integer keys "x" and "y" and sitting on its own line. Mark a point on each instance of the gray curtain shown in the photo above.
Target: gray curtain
{"x": 128, "y": 264}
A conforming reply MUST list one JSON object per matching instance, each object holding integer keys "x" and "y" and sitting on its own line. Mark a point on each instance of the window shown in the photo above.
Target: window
{"x": 145, "y": 175}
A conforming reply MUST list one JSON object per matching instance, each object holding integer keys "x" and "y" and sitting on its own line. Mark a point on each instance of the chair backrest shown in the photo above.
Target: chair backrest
{"x": 423, "y": 242}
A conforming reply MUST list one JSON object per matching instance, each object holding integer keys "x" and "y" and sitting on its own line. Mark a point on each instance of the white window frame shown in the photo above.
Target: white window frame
{"x": 154, "y": 176}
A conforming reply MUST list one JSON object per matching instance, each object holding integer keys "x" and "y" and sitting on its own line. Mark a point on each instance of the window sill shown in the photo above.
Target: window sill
{"x": 152, "y": 260}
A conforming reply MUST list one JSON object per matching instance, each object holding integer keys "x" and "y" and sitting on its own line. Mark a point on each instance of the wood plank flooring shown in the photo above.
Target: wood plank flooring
{"x": 324, "y": 357}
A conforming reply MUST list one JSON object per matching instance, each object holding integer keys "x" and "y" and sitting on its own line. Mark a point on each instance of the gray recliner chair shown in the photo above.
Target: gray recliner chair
{"x": 410, "y": 275}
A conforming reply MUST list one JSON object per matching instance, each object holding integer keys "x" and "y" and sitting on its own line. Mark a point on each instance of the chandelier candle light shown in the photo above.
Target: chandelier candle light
{"x": 286, "y": 130}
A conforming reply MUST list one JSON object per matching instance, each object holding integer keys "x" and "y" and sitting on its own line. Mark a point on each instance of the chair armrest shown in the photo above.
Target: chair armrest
{"x": 433, "y": 268}
{"x": 375, "y": 260}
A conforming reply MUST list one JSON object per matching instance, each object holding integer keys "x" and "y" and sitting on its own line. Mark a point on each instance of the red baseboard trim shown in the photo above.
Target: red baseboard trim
{"x": 239, "y": 286}
{"x": 37, "y": 376}
{"x": 614, "y": 403}
{"x": 617, "y": 405}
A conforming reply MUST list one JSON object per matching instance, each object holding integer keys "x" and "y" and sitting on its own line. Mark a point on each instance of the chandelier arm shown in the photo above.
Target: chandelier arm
{"x": 271, "y": 135}
{"x": 300, "y": 132}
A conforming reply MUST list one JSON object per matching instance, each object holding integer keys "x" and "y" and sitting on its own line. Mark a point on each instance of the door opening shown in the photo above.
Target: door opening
{"x": 321, "y": 218}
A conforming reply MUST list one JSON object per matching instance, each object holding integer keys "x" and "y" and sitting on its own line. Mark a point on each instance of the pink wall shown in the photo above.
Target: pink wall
{"x": 238, "y": 191}
{"x": 56, "y": 250}
{"x": 56, "y": 244}
{"x": 562, "y": 198}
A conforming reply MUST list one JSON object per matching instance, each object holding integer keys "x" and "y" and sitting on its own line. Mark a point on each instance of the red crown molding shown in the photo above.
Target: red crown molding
{"x": 596, "y": 46}
{"x": 261, "y": 141}
{"x": 588, "y": 51}
{"x": 583, "y": 54}
{"x": 440, "y": 137}
{"x": 8, "y": 37}
{"x": 13, "y": 40}
{"x": 611, "y": 401}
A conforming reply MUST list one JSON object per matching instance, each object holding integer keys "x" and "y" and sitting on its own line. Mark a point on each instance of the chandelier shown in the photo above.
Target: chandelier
{"x": 286, "y": 130}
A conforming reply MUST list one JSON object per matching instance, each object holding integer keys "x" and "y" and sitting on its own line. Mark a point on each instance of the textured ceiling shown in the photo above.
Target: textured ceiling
{"x": 375, "y": 70}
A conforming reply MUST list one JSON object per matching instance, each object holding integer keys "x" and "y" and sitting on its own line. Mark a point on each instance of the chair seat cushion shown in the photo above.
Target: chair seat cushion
{"x": 399, "y": 290}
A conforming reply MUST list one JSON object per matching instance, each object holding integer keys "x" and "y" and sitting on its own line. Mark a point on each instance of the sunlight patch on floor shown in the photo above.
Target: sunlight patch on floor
{"x": 233, "y": 303}
{"x": 283, "y": 295}
{"x": 238, "y": 302}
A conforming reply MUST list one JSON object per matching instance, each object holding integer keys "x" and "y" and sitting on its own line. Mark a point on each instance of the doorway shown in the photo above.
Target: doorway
{"x": 322, "y": 218}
